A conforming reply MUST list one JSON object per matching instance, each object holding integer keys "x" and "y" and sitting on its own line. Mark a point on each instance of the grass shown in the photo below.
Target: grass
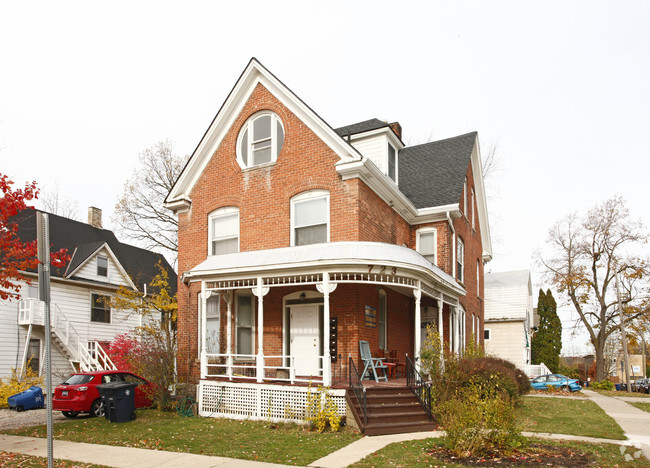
{"x": 417, "y": 453}
{"x": 643, "y": 406}
{"x": 248, "y": 440}
{"x": 567, "y": 416}
{"x": 29, "y": 461}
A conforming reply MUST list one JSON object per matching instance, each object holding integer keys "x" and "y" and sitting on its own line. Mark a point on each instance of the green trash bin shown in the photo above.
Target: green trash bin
{"x": 119, "y": 400}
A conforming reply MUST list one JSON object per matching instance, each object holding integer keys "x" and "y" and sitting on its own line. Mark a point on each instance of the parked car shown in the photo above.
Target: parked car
{"x": 642, "y": 386}
{"x": 555, "y": 380}
{"x": 79, "y": 394}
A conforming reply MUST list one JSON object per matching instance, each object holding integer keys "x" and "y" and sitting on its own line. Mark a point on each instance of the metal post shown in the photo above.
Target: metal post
{"x": 620, "y": 311}
{"x": 43, "y": 246}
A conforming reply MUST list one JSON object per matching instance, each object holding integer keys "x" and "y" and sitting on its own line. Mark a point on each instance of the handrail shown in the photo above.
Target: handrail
{"x": 420, "y": 387}
{"x": 358, "y": 388}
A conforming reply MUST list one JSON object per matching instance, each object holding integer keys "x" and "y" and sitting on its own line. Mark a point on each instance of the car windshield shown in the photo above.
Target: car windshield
{"x": 77, "y": 379}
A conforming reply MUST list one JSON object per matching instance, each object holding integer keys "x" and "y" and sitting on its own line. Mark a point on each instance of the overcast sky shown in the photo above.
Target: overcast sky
{"x": 561, "y": 88}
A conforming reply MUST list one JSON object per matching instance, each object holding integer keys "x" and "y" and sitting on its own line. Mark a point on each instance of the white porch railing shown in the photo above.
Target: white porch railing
{"x": 535, "y": 370}
{"x": 32, "y": 312}
{"x": 245, "y": 366}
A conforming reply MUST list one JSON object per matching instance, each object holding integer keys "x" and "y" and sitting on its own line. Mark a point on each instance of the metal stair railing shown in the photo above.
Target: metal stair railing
{"x": 358, "y": 388}
{"x": 420, "y": 387}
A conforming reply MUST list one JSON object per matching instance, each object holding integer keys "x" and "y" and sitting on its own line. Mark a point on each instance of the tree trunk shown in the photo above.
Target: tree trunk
{"x": 600, "y": 360}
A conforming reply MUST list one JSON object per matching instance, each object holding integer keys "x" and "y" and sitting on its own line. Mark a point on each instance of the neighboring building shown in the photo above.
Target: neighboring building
{"x": 81, "y": 321}
{"x": 637, "y": 363}
{"x": 297, "y": 240}
{"x": 509, "y": 316}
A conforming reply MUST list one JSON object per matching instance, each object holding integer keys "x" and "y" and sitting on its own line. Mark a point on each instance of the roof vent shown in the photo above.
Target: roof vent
{"x": 95, "y": 217}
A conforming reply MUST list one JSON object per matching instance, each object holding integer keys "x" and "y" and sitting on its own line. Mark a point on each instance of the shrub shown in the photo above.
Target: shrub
{"x": 321, "y": 410}
{"x": 14, "y": 384}
{"x": 603, "y": 385}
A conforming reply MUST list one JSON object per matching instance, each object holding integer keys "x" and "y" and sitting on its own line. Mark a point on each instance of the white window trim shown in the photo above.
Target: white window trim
{"x": 219, "y": 213}
{"x": 248, "y": 125}
{"x": 427, "y": 230}
{"x": 311, "y": 194}
{"x": 465, "y": 197}
{"x": 478, "y": 278}
{"x": 473, "y": 211}
{"x": 253, "y": 330}
{"x": 460, "y": 276}
{"x": 388, "y": 162}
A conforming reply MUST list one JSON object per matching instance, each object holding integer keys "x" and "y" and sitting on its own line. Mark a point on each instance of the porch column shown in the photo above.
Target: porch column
{"x": 326, "y": 288}
{"x": 441, "y": 326}
{"x": 204, "y": 325}
{"x": 228, "y": 296}
{"x": 418, "y": 324}
{"x": 260, "y": 291}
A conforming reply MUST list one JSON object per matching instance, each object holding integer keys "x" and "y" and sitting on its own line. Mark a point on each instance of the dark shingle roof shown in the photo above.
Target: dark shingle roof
{"x": 361, "y": 127}
{"x": 81, "y": 240}
{"x": 433, "y": 174}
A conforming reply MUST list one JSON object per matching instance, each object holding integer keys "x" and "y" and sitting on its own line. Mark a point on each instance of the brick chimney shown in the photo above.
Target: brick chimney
{"x": 397, "y": 128}
{"x": 95, "y": 217}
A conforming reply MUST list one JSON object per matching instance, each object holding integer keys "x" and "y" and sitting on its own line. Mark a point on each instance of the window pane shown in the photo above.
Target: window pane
{"x": 225, "y": 226}
{"x": 225, "y": 246}
{"x": 244, "y": 341}
{"x": 310, "y": 212}
{"x": 311, "y": 235}
{"x": 428, "y": 243}
{"x": 391, "y": 162}
{"x": 280, "y": 137}
{"x": 261, "y": 156}
{"x": 102, "y": 266}
{"x": 244, "y": 148}
{"x": 262, "y": 128}
{"x": 244, "y": 311}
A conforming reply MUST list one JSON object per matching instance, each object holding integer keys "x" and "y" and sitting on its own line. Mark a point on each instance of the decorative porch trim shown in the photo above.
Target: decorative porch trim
{"x": 277, "y": 403}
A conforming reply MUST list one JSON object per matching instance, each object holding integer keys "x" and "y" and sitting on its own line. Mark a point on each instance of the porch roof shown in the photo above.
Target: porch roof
{"x": 321, "y": 257}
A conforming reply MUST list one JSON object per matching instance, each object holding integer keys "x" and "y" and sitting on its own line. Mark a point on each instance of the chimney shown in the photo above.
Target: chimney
{"x": 397, "y": 128}
{"x": 95, "y": 217}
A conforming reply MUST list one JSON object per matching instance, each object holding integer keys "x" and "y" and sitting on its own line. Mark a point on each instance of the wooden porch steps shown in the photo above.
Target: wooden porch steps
{"x": 391, "y": 410}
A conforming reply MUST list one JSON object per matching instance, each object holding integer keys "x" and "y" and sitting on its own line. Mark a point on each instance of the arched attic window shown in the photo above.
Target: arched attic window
{"x": 260, "y": 140}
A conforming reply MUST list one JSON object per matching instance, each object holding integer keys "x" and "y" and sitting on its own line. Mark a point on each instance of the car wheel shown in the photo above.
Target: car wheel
{"x": 20, "y": 408}
{"x": 70, "y": 414}
{"x": 97, "y": 408}
{"x": 564, "y": 388}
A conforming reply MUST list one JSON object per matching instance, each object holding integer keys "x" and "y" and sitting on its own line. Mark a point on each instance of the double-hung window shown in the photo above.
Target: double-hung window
{"x": 427, "y": 244}
{"x": 392, "y": 163}
{"x": 244, "y": 324}
{"x": 310, "y": 218}
{"x": 460, "y": 259}
{"x": 223, "y": 226}
{"x": 100, "y": 309}
{"x": 260, "y": 140}
{"x": 102, "y": 266}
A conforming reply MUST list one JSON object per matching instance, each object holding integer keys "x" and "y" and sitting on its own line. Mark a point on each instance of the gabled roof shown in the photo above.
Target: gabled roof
{"x": 433, "y": 174}
{"x": 361, "y": 127}
{"x": 83, "y": 240}
{"x": 507, "y": 279}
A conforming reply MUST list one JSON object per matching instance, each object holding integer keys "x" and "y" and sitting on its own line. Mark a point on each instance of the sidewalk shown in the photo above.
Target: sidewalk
{"x": 634, "y": 422}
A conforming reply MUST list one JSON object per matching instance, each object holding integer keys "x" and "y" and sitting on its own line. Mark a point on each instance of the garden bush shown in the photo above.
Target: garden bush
{"x": 603, "y": 385}
{"x": 13, "y": 384}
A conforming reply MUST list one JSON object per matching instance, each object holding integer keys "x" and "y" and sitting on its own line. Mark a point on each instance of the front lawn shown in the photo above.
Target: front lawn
{"x": 567, "y": 416}
{"x": 248, "y": 440}
{"x": 614, "y": 393}
{"x": 643, "y": 406}
{"x": 29, "y": 461}
{"x": 428, "y": 452}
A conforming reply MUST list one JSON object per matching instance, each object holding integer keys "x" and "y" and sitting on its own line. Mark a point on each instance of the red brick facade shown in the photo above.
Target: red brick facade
{"x": 357, "y": 213}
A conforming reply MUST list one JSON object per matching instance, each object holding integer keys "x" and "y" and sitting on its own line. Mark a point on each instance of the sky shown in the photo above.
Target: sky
{"x": 560, "y": 89}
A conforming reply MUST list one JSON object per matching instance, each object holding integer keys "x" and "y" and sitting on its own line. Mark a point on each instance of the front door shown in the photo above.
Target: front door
{"x": 305, "y": 339}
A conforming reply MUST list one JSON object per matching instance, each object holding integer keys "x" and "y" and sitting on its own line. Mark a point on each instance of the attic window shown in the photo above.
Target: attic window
{"x": 391, "y": 162}
{"x": 102, "y": 266}
{"x": 260, "y": 140}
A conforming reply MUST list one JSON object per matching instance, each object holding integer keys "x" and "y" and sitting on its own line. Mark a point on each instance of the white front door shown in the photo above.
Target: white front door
{"x": 305, "y": 339}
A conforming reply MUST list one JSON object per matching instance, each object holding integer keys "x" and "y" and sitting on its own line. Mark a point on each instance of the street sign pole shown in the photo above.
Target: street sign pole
{"x": 43, "y": 245}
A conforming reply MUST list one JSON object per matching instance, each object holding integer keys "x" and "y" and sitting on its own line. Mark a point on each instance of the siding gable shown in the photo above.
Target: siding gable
{"x": 115, "y": 274}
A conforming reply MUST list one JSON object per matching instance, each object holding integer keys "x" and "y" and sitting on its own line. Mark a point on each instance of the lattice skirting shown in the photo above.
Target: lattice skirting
{"x": 258, "y": 401}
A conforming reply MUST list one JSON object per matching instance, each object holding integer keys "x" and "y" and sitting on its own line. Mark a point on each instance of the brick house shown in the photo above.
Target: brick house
{"x": 297, "y": 240}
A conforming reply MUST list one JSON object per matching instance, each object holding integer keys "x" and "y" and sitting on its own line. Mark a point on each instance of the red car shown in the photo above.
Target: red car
{"x": 79, "y": 394}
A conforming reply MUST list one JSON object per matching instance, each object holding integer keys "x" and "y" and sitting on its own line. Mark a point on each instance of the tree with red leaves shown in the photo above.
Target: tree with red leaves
{"x": 16, "y": 256}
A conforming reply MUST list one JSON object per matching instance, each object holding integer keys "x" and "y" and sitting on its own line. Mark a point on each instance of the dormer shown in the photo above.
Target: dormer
{"x": 378, "y": 141}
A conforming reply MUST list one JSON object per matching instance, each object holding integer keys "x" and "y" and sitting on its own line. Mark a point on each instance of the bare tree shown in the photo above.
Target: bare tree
{"x": 139, "y": 213}
{"x": 491, "y": 162}
{"x": 53, "y": 202}
{"x": 584, "y": 257}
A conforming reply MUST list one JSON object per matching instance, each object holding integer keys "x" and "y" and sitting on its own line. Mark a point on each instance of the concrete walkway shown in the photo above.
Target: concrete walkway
{"x": 634, "y": 422}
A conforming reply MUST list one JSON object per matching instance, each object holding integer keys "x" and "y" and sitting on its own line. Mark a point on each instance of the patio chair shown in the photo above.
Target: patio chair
{"x": 371, "y": 363}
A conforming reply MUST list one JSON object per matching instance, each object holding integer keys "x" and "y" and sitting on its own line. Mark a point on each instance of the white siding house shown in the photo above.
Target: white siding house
{"x": 80, "y": 320}
{"x": 509, "y": 316}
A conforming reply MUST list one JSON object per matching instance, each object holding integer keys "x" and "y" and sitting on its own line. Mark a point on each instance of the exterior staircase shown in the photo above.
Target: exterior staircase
{"x": 390, "y": 410}
{"x": 84, "y": 356}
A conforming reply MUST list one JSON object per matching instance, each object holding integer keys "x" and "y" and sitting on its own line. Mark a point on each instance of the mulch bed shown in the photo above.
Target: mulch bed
{"x": 534, "y": 454}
